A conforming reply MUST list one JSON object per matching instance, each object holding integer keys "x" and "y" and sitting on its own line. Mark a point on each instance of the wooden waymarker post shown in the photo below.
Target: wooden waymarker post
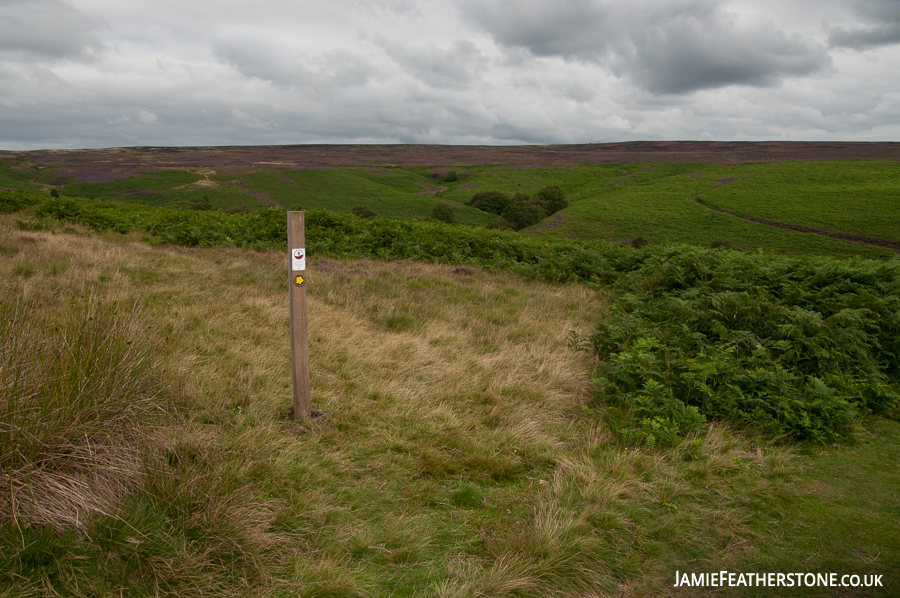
{"x": 296, "y": 240}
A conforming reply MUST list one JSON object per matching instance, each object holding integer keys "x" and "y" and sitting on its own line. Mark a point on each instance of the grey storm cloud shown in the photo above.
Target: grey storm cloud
{"x": 52, "y": 29}
{"x": 455, "y": 67}
{"x": 666, "y": 48}
{"x": 100, "y": 73}
{"x": 881, "y": 26}
{"x": 287, "y": 68}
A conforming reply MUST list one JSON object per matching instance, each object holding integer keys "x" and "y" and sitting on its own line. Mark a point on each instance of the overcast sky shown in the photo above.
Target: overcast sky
{"x": 104, "y": 73}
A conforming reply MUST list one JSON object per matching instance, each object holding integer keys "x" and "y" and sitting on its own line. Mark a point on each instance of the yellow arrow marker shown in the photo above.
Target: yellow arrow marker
{"x": 298, "y": 281}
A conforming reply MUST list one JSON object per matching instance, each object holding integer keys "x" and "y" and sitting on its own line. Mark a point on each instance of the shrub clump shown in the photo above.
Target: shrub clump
{"x": 443, "y": 211}
{"x": 499, "y": 223}
{"x": 495, "y": 202}
{"x": 520, "y": 211}
{"x": 797, "y": 347}
{"x": 202, "y": 204}
{"x": 522, "y": 214}
{"x": 364, "y": 212}
{"x": 639, "y": 242}
{"x": 446, "y": 176}
{"x": 14, "y": 201}
{"x": 554, "y": 198}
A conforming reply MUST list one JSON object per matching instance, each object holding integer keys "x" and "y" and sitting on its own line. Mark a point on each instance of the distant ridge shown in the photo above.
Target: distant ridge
{"x": 240, "y": 158}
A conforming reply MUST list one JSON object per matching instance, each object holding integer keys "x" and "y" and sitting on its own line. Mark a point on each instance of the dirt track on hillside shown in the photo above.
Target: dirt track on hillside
{"x": 800, "y": 228}
{"x": 100, "y": 165}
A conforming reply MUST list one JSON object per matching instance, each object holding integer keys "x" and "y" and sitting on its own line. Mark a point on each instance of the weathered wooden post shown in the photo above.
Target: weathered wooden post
{"x": 296, "y": 240}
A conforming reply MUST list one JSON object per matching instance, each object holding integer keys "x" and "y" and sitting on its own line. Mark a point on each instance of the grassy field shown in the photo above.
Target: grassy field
{"x": 661, "y": 203}
{"x": 166, "y": 187}
{"x": 656, "y": 202}
{"x": 449, "y": 455}
{"x": 397, "y": 193}
{"x": 852, "y": 197}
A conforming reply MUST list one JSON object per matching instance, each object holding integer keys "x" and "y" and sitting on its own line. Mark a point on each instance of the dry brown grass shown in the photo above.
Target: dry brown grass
{"x": 453, "y": 458}
{"x": 76, "y": 386}
{"x": 72, "y": 484}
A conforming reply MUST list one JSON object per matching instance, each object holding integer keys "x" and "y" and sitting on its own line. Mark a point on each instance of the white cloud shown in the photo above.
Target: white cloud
{"x": 458, "y": 66}
{"x": 88, "y": 73}
{"x": 47, "y": 29}
{"x": 145, "y": 117}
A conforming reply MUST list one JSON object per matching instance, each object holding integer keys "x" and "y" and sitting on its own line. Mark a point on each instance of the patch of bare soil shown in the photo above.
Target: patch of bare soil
{"x": 845, "y": 237}
{"x": 724, "y": 181}
{"x": 549, "y": 223}
{"x": 280, "y": 174}
{"x": 302, "y": 426}
{"x": 263, "y": 197}
{"x": 132, "y": 192}
{"x": 202, "y": 183}
{"x": 430, "y": 189}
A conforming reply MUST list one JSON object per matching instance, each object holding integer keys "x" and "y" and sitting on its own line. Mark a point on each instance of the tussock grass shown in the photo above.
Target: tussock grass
{"x": 76, "y": 386}
{"x": 452, "y": 459}
{"x": 102, "y": 488}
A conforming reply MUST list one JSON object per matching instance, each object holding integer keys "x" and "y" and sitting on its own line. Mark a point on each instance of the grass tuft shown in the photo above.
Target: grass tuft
{"x": 77, "y": 387}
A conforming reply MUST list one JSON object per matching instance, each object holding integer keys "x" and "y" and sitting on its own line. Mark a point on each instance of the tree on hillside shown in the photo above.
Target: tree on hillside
{"x": 500, "y": 223}
{"x": 522, "y": 214}
{"x": 364, "y": 212}
{"x": 518, "y": 212}
{"x": 494, "y": 202}
{"x": 554, "y": 198}
{"x": 537, "y": 201}
{"x": 443, "y": 211}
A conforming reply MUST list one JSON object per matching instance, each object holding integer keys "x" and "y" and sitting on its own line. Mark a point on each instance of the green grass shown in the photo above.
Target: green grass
{"x": 453, "y": 460}
{"x": 14, "y": 176}
{"x": 848, "y": 197}
{"x": 150, "y": 188}
{"x": 846, "y": 520}
{"x": 398, "y": 193}
{"x": 619, "y": 202}
{"x": 453, "y": 456}
{"x": 223, "y": 198}
{"x": 159, "y": 188}
{"x": 840, "y": 518}
{"x": 796, "y": 346}
{"x": 654, "y": 201}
